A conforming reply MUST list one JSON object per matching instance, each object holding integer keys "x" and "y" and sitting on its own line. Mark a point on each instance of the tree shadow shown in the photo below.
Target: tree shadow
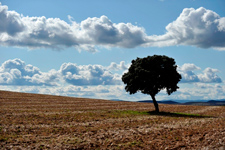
{"x": 185, "y": 115}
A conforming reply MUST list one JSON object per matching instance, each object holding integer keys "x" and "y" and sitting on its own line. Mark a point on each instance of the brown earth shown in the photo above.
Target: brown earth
{"x": 33, "y": 121}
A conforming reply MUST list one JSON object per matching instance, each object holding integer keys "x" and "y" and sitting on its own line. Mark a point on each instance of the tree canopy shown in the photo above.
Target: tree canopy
{"x": 152, "y": 74}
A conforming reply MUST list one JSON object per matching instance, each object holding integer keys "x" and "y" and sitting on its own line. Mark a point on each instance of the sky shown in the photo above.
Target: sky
{"x": 82, "y": 48}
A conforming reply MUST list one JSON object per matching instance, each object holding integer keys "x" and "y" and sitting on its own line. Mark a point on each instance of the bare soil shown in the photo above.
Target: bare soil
{"x": 34, "y": 121}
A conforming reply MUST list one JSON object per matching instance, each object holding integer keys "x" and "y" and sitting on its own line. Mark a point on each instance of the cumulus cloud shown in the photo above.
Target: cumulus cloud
{"x": 208, "y": 76}
{"x": 203, "y": 91}
{"x": 11, "y": 22}
{"x": 198, "y": 27}
{"x": 16, "y": 72}
{"x": 88, "y": 75}
{"x": 42, "y": 32}
{"x": 97, "y": 81}
{"x": 121, "y": 66}
{"x": 187, "y": 72}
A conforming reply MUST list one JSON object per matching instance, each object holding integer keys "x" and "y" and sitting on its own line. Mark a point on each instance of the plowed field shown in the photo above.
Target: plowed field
{"x": 33, "y": 121}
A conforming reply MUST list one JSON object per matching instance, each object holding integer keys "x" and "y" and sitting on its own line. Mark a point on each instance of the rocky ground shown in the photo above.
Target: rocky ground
{"x": 32, "y": 121}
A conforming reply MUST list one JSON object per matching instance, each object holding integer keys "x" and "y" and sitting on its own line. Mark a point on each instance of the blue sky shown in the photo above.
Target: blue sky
{"x": 82, "y": 48}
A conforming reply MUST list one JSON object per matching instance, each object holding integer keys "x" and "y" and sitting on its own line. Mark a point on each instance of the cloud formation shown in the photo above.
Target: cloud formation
{"x": 208, "y": 76}
{"x": 195, "y": 92}
{"x": 97, "y": 81}
{"x": 197, "y": 27}
{"x": 88, "y": 75}
{"x": 121, "y": 66}
{"x": 16, "y": 72}
{"x": 42, "y": 32}
{"x": 202, "y": 91}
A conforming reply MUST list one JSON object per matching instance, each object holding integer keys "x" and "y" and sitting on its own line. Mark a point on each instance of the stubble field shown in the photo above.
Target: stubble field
{"x": 32, "y": 121}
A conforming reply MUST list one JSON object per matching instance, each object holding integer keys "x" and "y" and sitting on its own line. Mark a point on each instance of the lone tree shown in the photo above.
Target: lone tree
{"x": 151, "y": 74}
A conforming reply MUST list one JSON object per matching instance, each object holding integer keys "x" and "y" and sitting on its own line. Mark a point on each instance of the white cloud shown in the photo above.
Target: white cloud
{"x": 198, "y": 27}
{"x": 207, "y": 91}
{"x": 11, "y": 22}
{"x": 208, "y": 76}
{"x": 88, "y": 75}
{"x": 42, "y": 32}
{"x": 196, "y": 91}
{"x": 97, "y": 81}
{"x": 187, "y": 73}
{"x": 189, "y": 67}
{"x": 16, "y": 72}
{"x": 99, "y": 91}
{"x": 121, "y": 66}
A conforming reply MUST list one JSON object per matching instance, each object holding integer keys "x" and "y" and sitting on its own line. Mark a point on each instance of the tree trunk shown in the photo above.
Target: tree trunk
{"x": 155, "y": 103}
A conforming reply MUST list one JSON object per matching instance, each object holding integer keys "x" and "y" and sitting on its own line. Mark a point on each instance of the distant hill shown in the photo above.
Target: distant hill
{"x": 161, "y": 102}
{"x": 189, "y": 102}
{"x": 208, "y": 103}
{"x": 116, "y": 100}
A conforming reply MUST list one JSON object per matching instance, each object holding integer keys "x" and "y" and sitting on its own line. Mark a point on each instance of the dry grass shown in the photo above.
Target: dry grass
{"x": 32, "y": 121}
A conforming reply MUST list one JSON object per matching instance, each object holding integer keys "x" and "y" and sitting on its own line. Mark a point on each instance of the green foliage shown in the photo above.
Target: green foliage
{"x": 151, "y": 74}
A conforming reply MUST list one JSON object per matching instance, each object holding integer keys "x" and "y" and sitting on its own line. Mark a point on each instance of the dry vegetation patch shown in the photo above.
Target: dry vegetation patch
{"x": 30, "y": 121}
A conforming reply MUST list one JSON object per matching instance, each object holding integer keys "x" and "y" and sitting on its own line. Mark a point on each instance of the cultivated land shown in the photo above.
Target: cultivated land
{"x": 32, "y": 121}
